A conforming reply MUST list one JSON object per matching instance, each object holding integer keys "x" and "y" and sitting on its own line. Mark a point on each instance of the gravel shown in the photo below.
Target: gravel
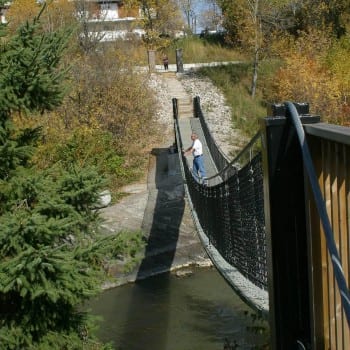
{"x": 217, "y": 113}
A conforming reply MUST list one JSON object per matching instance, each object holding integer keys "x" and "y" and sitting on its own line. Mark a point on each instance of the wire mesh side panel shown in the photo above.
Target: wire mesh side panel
{"x": 231, "y": 213}
{"x": 218, "y": 157}
{"x": 253, "y": 244}
{"x": 232, "y": 216}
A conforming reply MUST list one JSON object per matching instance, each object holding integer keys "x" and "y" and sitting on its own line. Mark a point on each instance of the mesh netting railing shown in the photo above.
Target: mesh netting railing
{"x": 231, "y": 213}
{"x": 220, "y": 160}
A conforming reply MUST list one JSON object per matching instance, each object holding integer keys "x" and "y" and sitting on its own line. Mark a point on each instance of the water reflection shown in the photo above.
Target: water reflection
{"x": 199, "y": 312}
{"x": 147, "y": 317}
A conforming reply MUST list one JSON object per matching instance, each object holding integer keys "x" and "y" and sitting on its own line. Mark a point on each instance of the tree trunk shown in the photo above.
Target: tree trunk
{"x": 255, "y": 73}
{"x": 258, "y": 29}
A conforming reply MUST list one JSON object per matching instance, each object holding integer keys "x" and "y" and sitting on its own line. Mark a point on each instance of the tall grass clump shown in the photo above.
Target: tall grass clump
{"x": 234, "y": 82}
{"x": 202, "y": 50}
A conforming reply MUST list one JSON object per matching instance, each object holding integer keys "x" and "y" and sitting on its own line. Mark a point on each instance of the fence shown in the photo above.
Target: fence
{"x": 330, "y": 151}
{"x": 308, "y": 293}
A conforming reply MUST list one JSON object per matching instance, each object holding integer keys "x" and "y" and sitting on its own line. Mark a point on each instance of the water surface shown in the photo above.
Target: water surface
{"x": 198, "y": 312}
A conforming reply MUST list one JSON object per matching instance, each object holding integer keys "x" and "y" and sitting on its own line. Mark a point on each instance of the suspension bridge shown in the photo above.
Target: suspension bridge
{"x": 275, "y": 220}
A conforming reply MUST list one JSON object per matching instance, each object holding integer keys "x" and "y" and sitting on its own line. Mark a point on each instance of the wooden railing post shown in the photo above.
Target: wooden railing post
{"x": 286, "y": 232}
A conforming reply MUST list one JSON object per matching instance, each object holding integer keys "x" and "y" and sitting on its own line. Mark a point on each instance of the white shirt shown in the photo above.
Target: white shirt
{"x": 197, "y": 148}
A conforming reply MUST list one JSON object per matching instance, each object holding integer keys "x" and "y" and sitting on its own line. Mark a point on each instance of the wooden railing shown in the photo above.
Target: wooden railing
{"x": 307, "y": 217}
{"x": 330, "y": 150}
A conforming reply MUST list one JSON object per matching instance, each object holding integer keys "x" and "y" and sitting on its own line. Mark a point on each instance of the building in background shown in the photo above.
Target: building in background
{"x": 111, "y": 19}
{"x": 3, "y": 9}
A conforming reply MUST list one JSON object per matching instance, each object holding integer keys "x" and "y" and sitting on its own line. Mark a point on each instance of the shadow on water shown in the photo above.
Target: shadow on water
{"x": 161, "y": 225}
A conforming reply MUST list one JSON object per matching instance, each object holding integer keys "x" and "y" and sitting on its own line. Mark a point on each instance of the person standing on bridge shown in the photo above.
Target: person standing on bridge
{"x": 165, "y": 62}
{"x": 197, "y": 151}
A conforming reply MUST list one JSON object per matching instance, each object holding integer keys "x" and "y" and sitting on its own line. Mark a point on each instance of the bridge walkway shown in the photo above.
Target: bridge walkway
{"x": 187, "y": 122}
{"x": 253, "y": 296}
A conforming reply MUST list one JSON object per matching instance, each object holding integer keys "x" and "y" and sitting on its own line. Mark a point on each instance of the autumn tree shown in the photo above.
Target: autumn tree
{"x": 339, "y": 65}
{"x": 160, "y": 19}
{"x": 108, "y": 100}
{"x": 56, "y": 14}
{"x": 211, "y": 16}
{"x": 88, "y": 36}
{"x": 315, "y": 69}
{"x": 249, "y": 24}
{"x": 19, "y": 12}
{"x": 59, "y": 14}
{"x": 319, "y": 14}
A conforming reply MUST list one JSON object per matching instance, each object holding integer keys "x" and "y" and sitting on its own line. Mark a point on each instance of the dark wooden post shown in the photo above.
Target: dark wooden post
{"x": 196, "y": 104}
{"x": 179, "y": 63}
{"x": 175, "y": 108}
{"x": 286, "y": 232}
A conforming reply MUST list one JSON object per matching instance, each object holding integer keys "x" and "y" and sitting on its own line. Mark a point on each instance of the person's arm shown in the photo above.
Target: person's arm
{"x": 188, "y": 150}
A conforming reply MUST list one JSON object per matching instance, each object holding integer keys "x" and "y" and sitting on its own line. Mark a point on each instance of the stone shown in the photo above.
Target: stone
{"x": 183, "y": 273}
{"x": 105, "y": 199}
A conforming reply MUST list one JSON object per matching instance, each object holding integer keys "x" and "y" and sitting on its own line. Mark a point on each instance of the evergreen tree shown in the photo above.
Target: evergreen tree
{"x": 49, "y": 260}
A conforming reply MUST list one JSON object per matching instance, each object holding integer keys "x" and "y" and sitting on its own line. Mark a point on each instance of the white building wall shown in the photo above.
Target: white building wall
{"x": 109, "y": 11}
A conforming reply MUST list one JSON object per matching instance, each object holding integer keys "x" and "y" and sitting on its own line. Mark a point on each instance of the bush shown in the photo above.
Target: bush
{"x": 102, "y": 121}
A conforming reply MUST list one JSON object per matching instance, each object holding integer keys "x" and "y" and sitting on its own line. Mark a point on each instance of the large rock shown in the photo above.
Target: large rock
{"x": 105, "y": 199}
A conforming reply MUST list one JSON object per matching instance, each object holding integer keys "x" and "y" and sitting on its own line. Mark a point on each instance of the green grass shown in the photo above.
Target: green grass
{"x": 195, "y": 50}
{"x": 201, "y": 50}
{"x": 234, "y": 80}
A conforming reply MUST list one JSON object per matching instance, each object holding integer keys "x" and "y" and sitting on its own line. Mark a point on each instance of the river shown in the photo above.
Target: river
{"x": 165, "y": 312}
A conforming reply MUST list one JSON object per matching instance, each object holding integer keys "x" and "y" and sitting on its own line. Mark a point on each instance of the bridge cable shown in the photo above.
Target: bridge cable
{"x": 248, "y": 147}
{"x": 322, "y": 211}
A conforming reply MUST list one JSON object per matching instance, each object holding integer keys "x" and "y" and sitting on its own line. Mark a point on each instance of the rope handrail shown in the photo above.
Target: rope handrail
{"x": 322, "y": 211}
{"x": 238, "y": 157}
{"x": 219, "y": 157}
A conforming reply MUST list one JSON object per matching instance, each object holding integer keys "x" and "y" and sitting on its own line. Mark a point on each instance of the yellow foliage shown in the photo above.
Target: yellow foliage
{"x": 108, "y": 101}
{"x": 20, "y": 11}
{"x": 58, "y": 14}
{"x": 339, "y": 64}
{"x": 304, "y": 79}
{"x": 307, "y": 76}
